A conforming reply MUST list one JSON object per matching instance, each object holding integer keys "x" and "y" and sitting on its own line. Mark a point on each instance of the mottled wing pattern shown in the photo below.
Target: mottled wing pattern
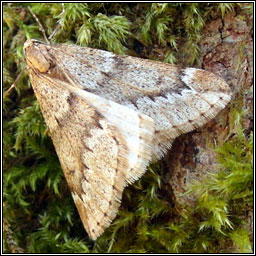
{"x": 102, "y": 145}
{"x": 178, "y": 100}
{"x": 95, "y": 154}
{"x": 109, "y": 115}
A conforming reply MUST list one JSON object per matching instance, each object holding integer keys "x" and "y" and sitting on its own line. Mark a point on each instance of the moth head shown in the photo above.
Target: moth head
{"x": 37, "y": 55}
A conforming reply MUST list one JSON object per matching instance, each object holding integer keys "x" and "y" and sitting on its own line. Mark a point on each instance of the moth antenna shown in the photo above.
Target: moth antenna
{"x": 58, "y": 26}
{"x": 8, "y": 91}
{"x": 14, "y": 83}
{"x": 40, "y": 26}
{"x": 54, "y": 31}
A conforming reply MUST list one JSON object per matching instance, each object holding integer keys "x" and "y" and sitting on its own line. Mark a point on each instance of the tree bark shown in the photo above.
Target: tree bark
{"x": 226, "y": 50}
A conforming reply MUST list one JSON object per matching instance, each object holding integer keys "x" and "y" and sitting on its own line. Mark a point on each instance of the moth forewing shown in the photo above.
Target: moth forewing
{"x": 110, "y": 115}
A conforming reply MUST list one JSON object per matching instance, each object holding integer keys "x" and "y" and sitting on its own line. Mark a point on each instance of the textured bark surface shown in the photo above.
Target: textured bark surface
{"x": 226, "y": 50}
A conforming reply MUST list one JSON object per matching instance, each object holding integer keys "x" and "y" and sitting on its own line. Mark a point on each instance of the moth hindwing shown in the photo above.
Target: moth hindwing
{"x": 110, "y": 115}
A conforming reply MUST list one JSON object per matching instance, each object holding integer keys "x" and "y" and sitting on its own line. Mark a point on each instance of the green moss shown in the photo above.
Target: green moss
{"x": 38, "y": 207}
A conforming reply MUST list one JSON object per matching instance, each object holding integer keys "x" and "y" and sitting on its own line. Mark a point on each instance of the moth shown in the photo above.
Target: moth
{"x": 109, "y": 116}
